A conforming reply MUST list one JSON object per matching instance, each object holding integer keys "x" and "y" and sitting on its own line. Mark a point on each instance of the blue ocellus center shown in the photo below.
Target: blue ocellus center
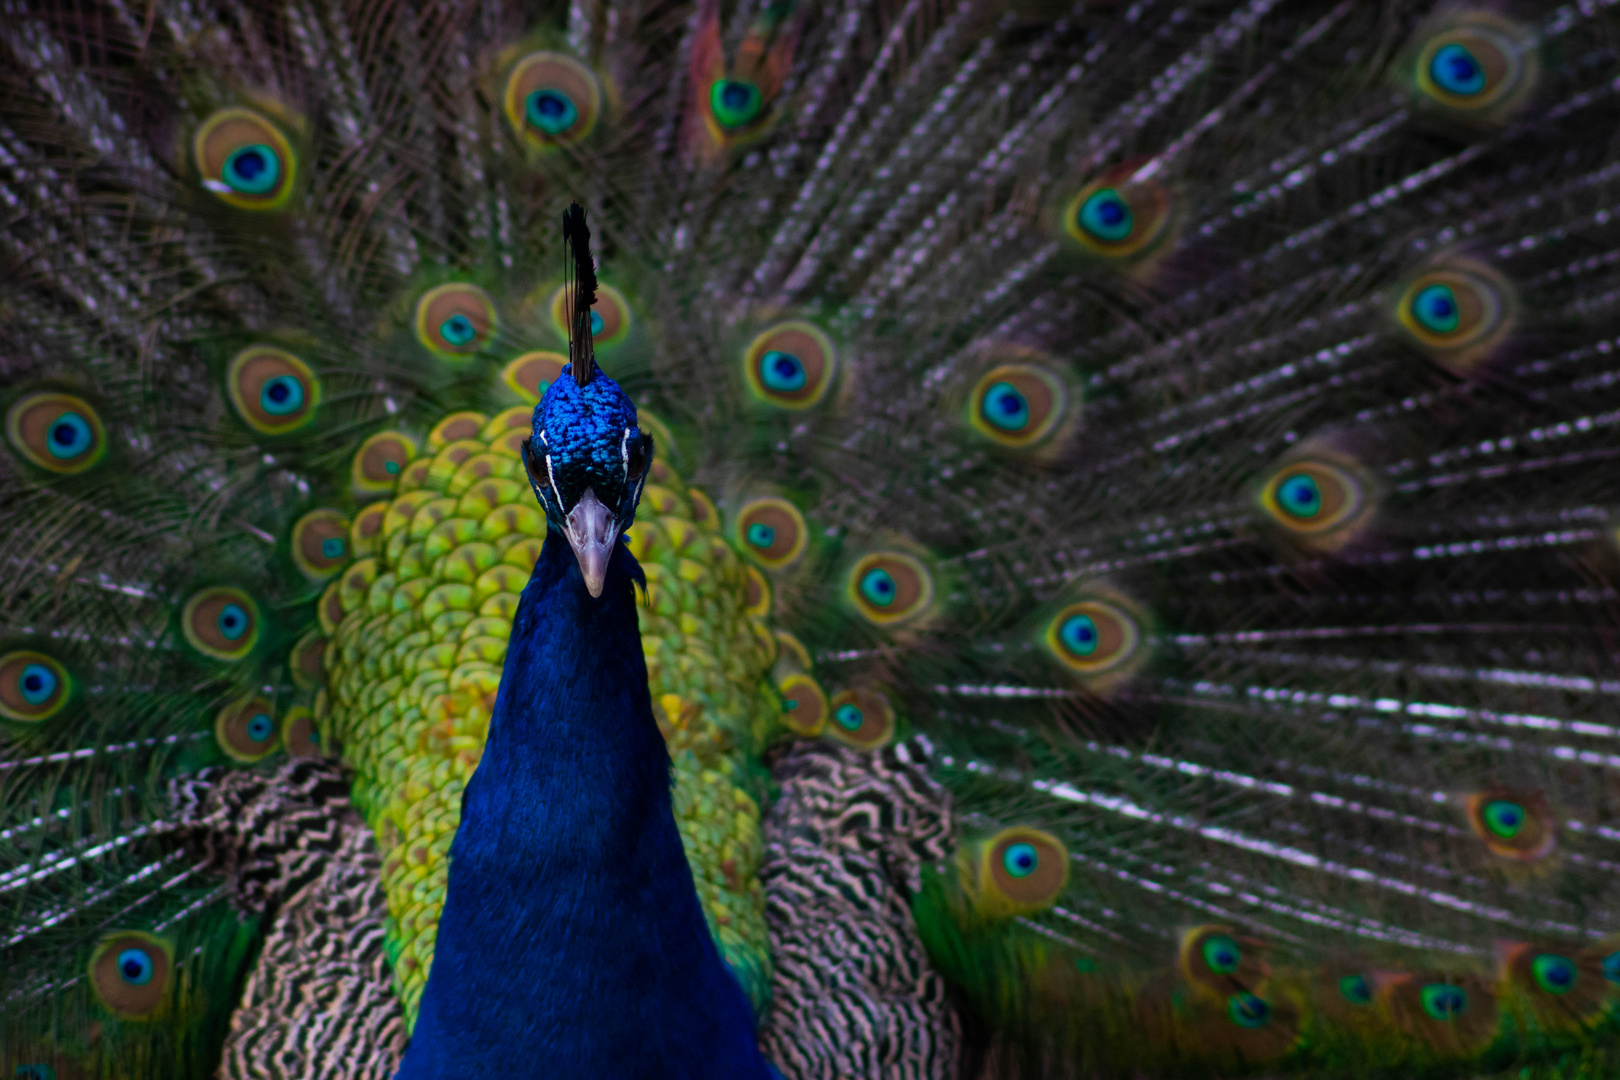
{"x": 281, "y": 395}
{"x": 458, "y": 330}
{"x": 781, "y": 371}
{"x": 1080, "y": 634}
{"x": 1457, "y": 71}
{"x": 1106, "y": 216}
{"x": 1436, "y": 309}
{"x": 877, "y": 585}
{"x": 761, "y": 535}
{"x": 252, "y": 170}
{"x": 135, "y": 966}
{"x": 261, "y": 727}
{"x": 70, "y": 436}
{"x": 38, "y": 683}
{"x": 332, "y": 547}
{"x": 550, "y": 111}
{"x": 1442, "y": 1001}
{"x": 1005, "y": 407}
{"x": 1020, "y": 860}
{"x": 1504, "y": 818}
{"x": 1300, "y": 496}
{"x": 232, "y": 622}
{"x": 848, "y": 717}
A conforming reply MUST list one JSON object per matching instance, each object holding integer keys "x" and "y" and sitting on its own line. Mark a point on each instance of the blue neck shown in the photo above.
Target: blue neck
{"x": 571, "y": 942}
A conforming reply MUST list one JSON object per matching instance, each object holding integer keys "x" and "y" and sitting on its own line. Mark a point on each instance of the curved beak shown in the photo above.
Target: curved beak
{"x": 592, "y": 531}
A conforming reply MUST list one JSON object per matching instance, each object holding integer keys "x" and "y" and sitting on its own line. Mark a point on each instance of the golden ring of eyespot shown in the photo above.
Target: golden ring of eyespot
{"x": 245, "y": 160}
{"x": 889, "y": 587}
{"x": 1092, "y": 636}
{"x": 1313, "y": 497}
{"x": 1017, "y": 405}
{"x": 57, "y": 432}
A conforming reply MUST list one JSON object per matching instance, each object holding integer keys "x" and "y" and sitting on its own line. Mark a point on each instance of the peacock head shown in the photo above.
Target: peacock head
{"x": 587, "y": 461}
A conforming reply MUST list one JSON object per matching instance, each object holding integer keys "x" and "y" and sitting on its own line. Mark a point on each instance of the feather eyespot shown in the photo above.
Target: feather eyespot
{"x": 1118, "y": 216}
{"x": 1513, "y": 824}
{"x": 1248, "y": 1011}
{"x": 247, "y": 730}
{"x": 221, "y": 622}
{"x": 772, "y": 531}
{"x": 58, "y": 432}
{"x": 861, "y": 718}
{"x": 552, "y": 100}
{"x": 532, "y": 374}
{"x": 1356, "y": 990}
{"x": 457, "y": 427}
{"x": 320, "y": 543}
{"x": 130, "y": 972}
{"x": 791, "y": 365}
{"x": 1017, "y": 405}
{"x": 380, "y": 461}
{"x": 735, "y": 103}
{"x": 1218, "y": 963}
{"x": 1092, "y": 637}
{"x": 245, "y": 160}
{"x": 455, "y": 320}
{"x": 307, "y": 661}
{"x": 1475, "y": 66}
{"x": 299, "y": 733}
{"x": 804, "y": 705}
{"x": 1021, "y": 871}
{"x": 1313, "y": 498}
{"x": 1456, "y": 314}
{"x": 33, "y": 686}
{"x": 610, "y": 315}
{"x": 756, "y": 593}
{"x": 889, "y": 587}
{"x": 272, "y": 390}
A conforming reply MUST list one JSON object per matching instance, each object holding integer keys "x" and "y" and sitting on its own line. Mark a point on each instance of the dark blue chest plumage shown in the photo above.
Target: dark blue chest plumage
{"x": 572, "y": 942}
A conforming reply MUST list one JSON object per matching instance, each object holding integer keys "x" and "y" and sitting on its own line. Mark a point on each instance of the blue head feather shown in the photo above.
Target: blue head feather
{"x": 587, "y": 437}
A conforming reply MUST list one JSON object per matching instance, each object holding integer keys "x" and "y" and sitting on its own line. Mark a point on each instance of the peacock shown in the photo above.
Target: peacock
{"x": 1106, "y": 506}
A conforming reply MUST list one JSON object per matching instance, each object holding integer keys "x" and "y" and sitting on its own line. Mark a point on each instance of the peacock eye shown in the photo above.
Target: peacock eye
{"x": 735, "y": 103}
{"x": 221, "y": 622}
{"x": 1554, "y": 973}
{"x": 1117, "y": 215}
{"x": 1092, "y": 636}
{"x": 772, "y": 530}
{"x": 129, "y": 972}
{"x": 1473, "y": 65}
{"x": 1025, "y": 870}
{"x": 299, "y": 734}
{"x": 1513, "y": 824}
{"x": 889, "y": 587}
{"x": 245, "y": 160}
{"x": 610, "y": 315}
{"x": 33, "y": 686}
{"x": 1443, "y": 1001}
{"x": 1221, "y": 954}
{"x": 455, "y": 320}
{"x": 57, "y": 432}
{"x": 1356, "y": 990}
{"x": 1454, "y": 313}
{"x": 1248, "y": 1011}
{"x": 863, "y": 718}
{"x": 1504, "y": 818}
{"x": 1017, "y": 405}
{"x": 1611, "y": 966}
{"x": 1312, "y": 497}
{"x": 246, "y": 730}
{"x": 532, "y": 374}
{"x": 272, "y": 390}
{"x": 791, "y": 365}
{"x": 551, "y": 100}
{"x": 320, "y": 543}
{"x": 379, "y": 462}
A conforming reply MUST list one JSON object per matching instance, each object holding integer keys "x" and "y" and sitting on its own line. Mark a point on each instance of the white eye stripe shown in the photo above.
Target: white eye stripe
{"x": 624, "y": 451}
{"x": 551, "y": 476}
